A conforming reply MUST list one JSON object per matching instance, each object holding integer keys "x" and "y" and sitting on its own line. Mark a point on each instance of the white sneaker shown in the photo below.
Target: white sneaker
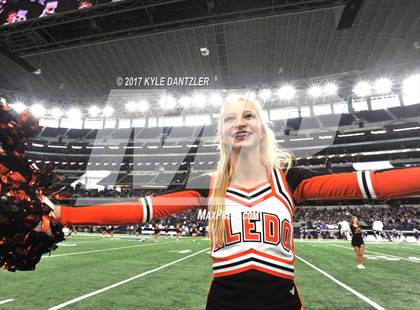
{"x": 362, "y": 267}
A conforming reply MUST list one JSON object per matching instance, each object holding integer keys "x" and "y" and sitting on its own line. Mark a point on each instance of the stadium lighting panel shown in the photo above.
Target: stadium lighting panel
{"x": 185, "y": 102}
{"x": 108, "y": 111}
{"x": 383, "y": 86}
{"x": 56, "y": 112}
{"x": 143, "y": 106}
{"x": 315, "y": 91}
{"x": 130, "y": 106}
{"x": 265, "y": 94}
{"x": 233, "y": 97}
{"x": 362, "y": 89}
{"x": 74, "y": 113}
{"x": 167, "y": 102}
{"x": 18, "y": 106}
{"x": 199, "y": 101}
{"x": 94, "y": 111}
{"x": 330, "y": 89}
{"x": 286, "y": 92}
{"x": 215, "y": 100}
{"x": 411, "y": 90}
{"x": 38, "y": 110}
{"x": 250, "y": 95}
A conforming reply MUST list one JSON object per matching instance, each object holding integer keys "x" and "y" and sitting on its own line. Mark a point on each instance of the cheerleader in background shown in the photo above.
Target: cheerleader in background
{"x": 357, "y": 242}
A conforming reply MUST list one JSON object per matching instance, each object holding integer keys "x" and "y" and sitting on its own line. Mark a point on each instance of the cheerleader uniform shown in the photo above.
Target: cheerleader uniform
{"x": 254, "y": 267}
{"x": 357, "y": 236}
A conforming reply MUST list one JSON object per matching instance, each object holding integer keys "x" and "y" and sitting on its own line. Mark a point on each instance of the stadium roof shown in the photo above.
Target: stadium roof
{"x": 265, "y": 45}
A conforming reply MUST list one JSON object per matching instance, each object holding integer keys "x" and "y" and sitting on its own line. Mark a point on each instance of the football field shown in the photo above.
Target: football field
{"x": 95, "y": 272}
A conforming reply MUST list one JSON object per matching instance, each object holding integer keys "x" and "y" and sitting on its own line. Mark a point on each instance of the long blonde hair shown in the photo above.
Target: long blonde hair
{"x": 271, "y": 155}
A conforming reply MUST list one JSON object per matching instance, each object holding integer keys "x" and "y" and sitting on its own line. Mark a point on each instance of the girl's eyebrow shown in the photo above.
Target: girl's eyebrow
{"x": 234, "y": 114}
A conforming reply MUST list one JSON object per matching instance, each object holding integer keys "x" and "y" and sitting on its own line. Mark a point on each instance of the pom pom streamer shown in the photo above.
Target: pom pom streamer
{"x": 27, "y": 230}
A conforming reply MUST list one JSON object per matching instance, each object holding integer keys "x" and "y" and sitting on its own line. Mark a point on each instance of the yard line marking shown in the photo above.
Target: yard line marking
{"x": 77, "y": 299}
{"x": 108, "y": 249}
{"x": 378, "y": 253}
{"x": 2, "y": 302}
{"x": 348, "y": 288}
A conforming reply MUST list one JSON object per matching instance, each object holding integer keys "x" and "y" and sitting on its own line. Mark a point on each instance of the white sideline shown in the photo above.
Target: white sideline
{"x": 348, "y": 288}
{"x": 378, "y": 253}
{"x": 122, "y": 282}
{"x": 2, "y": 302}
{"x": 108, "y": 249}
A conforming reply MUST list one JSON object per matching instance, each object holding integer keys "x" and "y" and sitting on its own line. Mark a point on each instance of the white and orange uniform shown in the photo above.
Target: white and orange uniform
{"x": 254, "y": 268}
{"x": 259, "y": 230}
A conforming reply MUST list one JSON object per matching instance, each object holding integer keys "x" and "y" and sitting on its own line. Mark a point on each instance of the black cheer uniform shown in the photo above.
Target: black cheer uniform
{"x": 357, "y": 238}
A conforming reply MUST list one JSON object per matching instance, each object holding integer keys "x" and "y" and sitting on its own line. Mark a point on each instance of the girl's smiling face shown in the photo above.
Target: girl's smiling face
{"x": 241, "y": 126}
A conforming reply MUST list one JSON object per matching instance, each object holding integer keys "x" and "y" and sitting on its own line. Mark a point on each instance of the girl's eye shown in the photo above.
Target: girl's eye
{"x": 228, "y": 119}
{"x": 250, "y": 115}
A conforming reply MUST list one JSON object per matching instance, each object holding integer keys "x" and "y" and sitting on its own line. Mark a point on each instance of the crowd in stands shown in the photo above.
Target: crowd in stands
{"x": 401, "y": 217}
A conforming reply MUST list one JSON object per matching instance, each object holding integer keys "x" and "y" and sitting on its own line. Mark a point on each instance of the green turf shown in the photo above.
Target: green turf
{"x": 70, "y": 272}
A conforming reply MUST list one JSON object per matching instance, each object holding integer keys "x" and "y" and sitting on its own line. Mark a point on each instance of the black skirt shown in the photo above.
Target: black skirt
{"x": 251, "y": 290}
{"x": 357, "y": 241}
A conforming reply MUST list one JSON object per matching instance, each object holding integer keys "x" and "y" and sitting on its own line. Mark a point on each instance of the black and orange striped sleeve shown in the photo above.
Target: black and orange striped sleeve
{"x": 394, "y": 183}
{"x": 193, "y": 194}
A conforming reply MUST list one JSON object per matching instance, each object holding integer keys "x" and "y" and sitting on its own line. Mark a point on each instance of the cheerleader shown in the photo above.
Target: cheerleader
{"x": 194, "y": 232}
{"x": 251, "y": 199}
{"x": 156, "y": 234}
{"x": 357, "y": 242}
{"x": 178, "y": 232}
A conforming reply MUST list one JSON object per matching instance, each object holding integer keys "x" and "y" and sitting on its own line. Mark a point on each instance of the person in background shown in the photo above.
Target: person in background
{"x": 357, "y": 242}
